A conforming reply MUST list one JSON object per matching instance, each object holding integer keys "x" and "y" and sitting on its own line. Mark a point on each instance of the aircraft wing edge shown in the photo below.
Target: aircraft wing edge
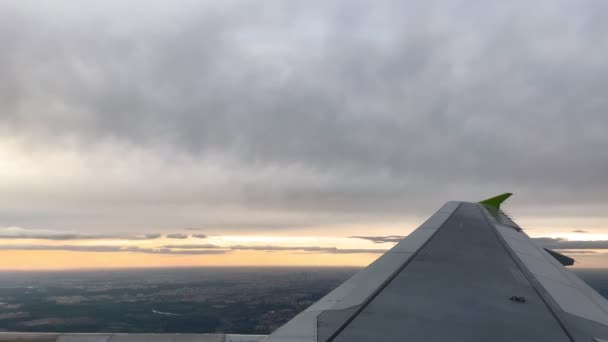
{"x": 362, "y": 286}
{"x": 562, "y": 289}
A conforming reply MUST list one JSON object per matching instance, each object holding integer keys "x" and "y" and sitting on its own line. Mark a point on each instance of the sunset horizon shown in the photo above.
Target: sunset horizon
{"x": 128, "y": 127}
{"x": 39, "y": 250}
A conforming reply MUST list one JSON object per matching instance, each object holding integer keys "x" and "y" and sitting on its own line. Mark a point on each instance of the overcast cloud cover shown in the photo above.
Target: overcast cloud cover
{"x": 240, "y": 115}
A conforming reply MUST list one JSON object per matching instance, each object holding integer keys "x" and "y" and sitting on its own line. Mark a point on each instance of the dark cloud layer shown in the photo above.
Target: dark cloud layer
{"x": 188, "y": 249}
{"x": 554, "y": 243}
{"x": 109, "y": 249}
{"x": 314, "y": 249}
{"x": 192, "y": 246}
{"x": 381, "y": 239}
{"x": 331, "y": 111}
{"x": 577, "y": 252}
{"x": 546, "y": 242}
{"x": 569, "y": 246}
{"x": 177, "y": 236}
{"x": 272, "y": 248}
{"x": 20, "y": 233}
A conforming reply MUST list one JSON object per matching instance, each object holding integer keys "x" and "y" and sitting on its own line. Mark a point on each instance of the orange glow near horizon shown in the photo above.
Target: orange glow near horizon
{"x": 24, "y": 260}
{"x": 63, "y": 260}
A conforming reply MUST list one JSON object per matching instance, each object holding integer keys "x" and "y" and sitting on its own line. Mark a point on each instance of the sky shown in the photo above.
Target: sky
{"x": 277, "y": 130}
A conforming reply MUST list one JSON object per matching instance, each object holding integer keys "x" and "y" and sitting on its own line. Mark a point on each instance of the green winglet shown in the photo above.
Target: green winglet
{"x": 495, "y": 202}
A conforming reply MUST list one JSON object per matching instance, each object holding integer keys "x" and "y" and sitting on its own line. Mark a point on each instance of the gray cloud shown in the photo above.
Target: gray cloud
{"x": 188, "y": 249}
{"x": 177, "y": 236}
{"x": 573, "y": 247}
{"x": 566, "y": 246}
{"x": 145, "y": 237}
{"x": 550, "y": 243}
{"x": 40, "y": 234}
{"x": 193, "y": 246}
{"x": 579, "y": 231}
{"x": 576, "y": 252}
{"x": 305, "y": 113}
{"x": 316, "y": 249}
{"x": 109, "y": 249}
{"x": 273, "y": 248}
{"x": 380, "y": 239}
{"x": 556, "y": 243}
{"x": 199, "y": 236}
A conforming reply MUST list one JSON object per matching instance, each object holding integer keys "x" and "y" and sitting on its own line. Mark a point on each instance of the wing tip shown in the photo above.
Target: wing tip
{"x": 496, "y": 201}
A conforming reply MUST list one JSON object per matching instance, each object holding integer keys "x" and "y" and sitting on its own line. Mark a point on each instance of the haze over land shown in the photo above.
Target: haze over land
{"x": 184, "y": 133}
{"x": 182, "y": 300}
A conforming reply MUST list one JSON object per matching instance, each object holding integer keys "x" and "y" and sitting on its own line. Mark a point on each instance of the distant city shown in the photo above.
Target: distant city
{"x": 186, "y": 300}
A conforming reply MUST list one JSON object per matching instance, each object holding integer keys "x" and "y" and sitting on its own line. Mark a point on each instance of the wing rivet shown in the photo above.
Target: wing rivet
{"x": 518, "y": 299}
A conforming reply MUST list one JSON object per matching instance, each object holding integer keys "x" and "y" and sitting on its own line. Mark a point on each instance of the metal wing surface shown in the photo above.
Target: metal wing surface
{"x": 469, "y": 273}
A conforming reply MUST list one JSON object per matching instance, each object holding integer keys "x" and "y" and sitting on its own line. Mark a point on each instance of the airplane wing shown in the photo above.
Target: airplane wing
{"x": 469, "y": 273}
